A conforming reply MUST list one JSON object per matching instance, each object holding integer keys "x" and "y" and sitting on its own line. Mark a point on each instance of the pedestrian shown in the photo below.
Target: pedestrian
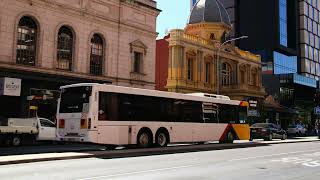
{"x": 318, "y": 127}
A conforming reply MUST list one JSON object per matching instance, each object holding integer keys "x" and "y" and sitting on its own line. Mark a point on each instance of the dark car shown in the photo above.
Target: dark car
{"x": 267, "y": 131}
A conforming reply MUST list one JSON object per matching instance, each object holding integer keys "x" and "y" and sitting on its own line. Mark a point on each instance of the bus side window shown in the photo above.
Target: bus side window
{"x": 242, "y": 115}
{"x": 210, "y": 113}
{"x": 102, "y": 111}
{"x": 191, "y": 111}
{"x": 227, "y": 114}
{"x": 108, "y": 106}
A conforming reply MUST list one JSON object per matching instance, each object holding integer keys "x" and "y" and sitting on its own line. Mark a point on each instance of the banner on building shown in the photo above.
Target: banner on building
{"x": 10, "y": 86}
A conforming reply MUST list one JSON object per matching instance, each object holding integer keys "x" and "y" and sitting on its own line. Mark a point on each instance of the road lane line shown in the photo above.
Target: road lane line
{"x": 191, "y": 165}
{"x": 270, "y": 155}
{"x": 138, "y": 172}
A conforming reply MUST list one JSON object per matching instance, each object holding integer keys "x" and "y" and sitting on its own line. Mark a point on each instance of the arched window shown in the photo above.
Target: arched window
{"x": 65, "y": 48}
{"x": 226, "y": 74}
{"x": 27, "y": 41}
{"x": 96, "y": 55}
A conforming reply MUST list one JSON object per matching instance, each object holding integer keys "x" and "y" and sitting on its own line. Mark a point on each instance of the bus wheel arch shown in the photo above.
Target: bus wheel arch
{"x": 229, "y": 135}
{"x": 162, "y": 137}
{"x": 144, "y": 137}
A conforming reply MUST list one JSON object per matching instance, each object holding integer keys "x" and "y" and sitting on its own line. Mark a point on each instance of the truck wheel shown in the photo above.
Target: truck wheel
{"x": 16, "y": 141}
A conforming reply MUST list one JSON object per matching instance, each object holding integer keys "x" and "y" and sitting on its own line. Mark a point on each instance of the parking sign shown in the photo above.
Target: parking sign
{"x": 317, "y": 110}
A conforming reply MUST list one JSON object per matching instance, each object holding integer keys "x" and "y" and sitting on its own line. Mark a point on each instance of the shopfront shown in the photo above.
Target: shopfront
{"x": 35, "y": 95}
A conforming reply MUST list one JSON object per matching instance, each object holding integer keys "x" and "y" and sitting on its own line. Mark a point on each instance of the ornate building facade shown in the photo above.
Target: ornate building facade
{"x": 193, "y": 53}
{"x": 49, "y": 43}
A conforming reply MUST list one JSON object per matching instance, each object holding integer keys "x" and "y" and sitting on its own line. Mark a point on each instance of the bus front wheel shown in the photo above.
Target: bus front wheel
{"x": 228, "y": 139}
{"x": 144, "y": 139}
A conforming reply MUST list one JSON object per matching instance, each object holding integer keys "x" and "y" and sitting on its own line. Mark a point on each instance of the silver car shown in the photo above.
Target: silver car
{"x": 298, "y": 130}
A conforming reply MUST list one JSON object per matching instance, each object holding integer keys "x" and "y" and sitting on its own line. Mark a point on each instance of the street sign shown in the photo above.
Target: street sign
{"x": 317, "y": 110}
{"x": 10, "y": 86}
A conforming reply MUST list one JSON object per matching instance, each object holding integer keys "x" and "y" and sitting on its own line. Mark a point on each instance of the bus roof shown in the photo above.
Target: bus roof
{"x": 156, "y": 93}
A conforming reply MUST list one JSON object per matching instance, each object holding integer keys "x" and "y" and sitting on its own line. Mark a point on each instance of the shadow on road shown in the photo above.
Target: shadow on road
{"x": 92, "y": 150}
{"x": 171, "y": 150}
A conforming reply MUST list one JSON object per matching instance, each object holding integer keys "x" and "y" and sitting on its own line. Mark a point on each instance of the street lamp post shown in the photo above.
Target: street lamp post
{"x": 218, "y": 60}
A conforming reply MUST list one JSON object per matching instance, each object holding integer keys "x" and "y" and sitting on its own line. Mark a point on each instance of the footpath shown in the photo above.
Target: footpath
{"x": 107, "y": 154}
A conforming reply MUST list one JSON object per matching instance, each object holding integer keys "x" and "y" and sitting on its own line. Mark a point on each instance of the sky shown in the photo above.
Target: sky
{"x": 175, "y": 14}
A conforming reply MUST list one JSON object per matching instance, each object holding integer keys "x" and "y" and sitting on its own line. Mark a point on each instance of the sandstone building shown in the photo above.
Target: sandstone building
{"x": 48, "y": 43}
{"x": 187, "y": 59}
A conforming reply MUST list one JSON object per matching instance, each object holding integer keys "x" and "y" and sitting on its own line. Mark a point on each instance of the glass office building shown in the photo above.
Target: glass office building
{"x": 286, "y": 33}
{"x": 283, "y": 22}
{"x": 309, "y": 30}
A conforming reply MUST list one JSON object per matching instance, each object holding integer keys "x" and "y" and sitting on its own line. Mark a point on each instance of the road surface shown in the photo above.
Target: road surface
{"x": 278, "y": 161}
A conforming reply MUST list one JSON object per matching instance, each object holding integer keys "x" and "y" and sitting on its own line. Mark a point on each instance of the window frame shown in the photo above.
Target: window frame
{"x": 137, "y": 62}
{"x": 64, "y": 44}
{"x": 226, "y": 74}
{"x": 97, "y": 59}
{"x": 30, "y": 53}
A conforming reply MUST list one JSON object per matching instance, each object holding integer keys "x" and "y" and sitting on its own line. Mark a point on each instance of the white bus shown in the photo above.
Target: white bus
{"x": 115, "y": 115}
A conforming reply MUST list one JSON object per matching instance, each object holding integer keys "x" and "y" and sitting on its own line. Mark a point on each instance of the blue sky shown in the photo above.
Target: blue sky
{"x": 174, "y": 14}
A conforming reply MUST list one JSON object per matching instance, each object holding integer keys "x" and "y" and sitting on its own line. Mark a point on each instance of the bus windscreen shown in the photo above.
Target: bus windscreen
{"x": 75, "y": 99}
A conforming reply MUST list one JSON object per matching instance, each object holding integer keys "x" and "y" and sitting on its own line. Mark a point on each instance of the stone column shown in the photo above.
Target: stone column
{"x": 200, "y": 69}
{"x": 181, "y": 62}
{"x": 170, "y": 63}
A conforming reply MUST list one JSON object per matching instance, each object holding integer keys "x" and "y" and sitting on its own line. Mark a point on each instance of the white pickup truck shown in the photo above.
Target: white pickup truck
{"x": 13, "y": 131}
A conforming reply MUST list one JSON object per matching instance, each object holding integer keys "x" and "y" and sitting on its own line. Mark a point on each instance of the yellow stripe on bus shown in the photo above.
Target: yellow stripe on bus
{"x": 242, "y": 130}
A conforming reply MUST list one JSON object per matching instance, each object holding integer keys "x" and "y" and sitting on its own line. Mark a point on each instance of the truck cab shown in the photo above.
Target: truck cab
{"x": 14, "y": 131}
{"x": 47, "y": 130}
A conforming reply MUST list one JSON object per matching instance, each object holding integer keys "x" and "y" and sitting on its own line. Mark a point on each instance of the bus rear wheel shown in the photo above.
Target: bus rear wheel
{"x": 144, "y": 139}
{"x": 162, "y": 139}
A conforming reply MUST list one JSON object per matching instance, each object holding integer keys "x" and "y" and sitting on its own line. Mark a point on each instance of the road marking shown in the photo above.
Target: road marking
{"x": 193, "y": 165}
{"x": 303, "y": 159}
{"x": 138, "y": 172}
{"x": 270, "y": 155}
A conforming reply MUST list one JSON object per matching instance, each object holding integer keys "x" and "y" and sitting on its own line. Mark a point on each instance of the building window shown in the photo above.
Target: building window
{"x": 243, "y": 76}
{"x": 212, "y": 37}
{"x": 27, "y": 41}
{"x": 65, "y": 48}
{"x": 96, "y": 55}
{"x": 284, "y": 64}
{"x": 138, "y": 51}
{"x": 283, "y": 22}
{"x": 208, "y": 70}
{"x": 190, "y": 69}
{"x": 254, "y": 78}
{"x": 226, "y": 74}
{"x": 137, "y": 61}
